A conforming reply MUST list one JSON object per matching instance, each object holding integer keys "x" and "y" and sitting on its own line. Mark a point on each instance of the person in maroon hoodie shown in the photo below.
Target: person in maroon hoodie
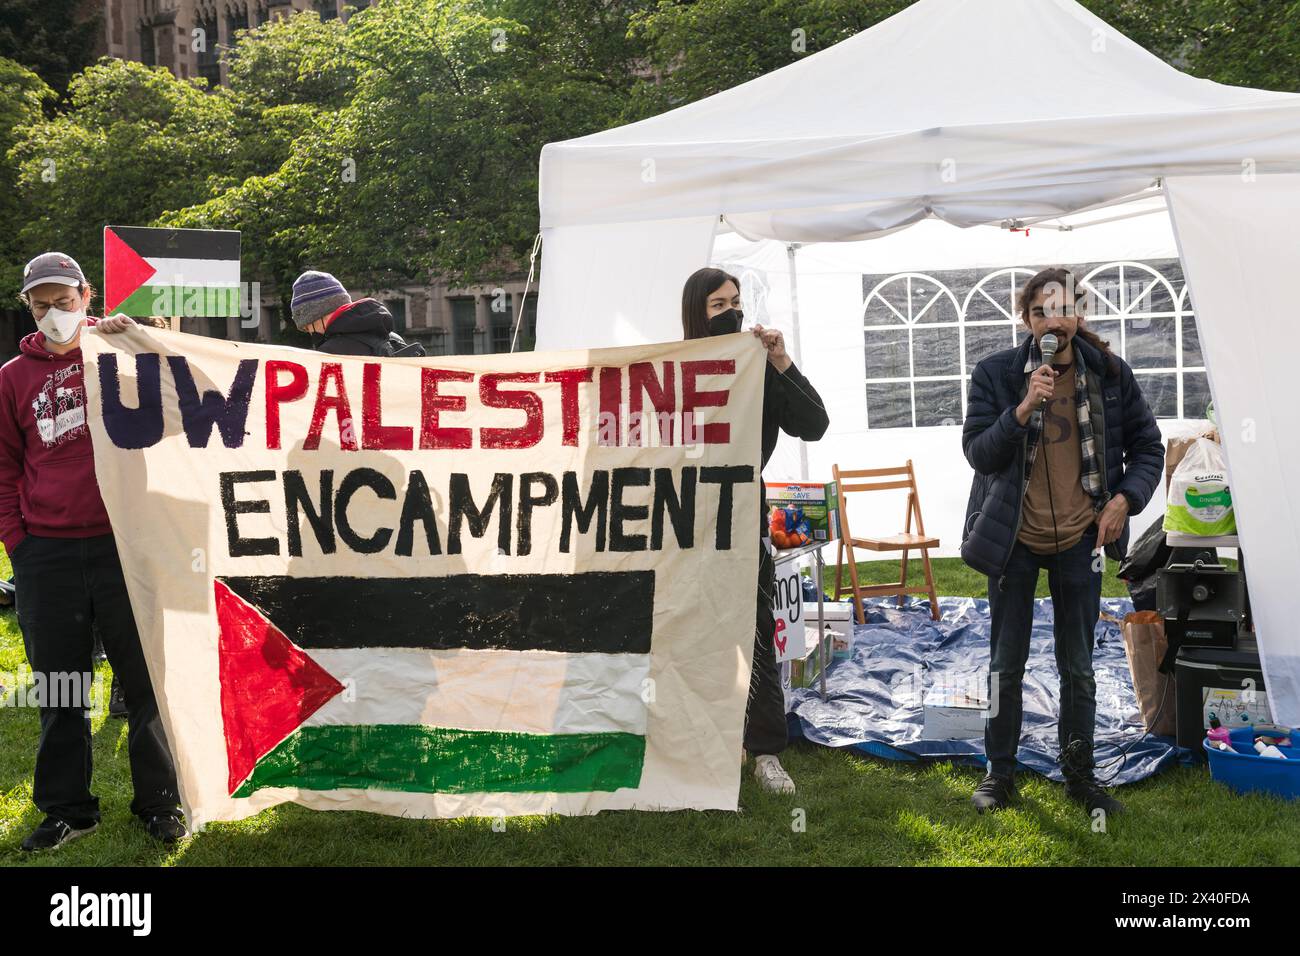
{"x": 66, "y": 568}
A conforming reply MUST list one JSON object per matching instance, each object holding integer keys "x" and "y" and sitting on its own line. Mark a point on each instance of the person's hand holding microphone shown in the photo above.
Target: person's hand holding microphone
{"x": 1042, "y": 383}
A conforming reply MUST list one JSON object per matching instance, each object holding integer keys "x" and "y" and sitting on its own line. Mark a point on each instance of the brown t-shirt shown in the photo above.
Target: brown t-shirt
{"x": 1059, "y": 448}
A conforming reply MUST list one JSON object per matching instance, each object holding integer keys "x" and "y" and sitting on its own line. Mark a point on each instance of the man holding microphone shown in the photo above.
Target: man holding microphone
{"x": 1064, "y": 448}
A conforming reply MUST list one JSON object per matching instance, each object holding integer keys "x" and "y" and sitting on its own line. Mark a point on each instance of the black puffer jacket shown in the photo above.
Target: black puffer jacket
{"x": 365, "y": 328}
{"x": 1127, "y": 441}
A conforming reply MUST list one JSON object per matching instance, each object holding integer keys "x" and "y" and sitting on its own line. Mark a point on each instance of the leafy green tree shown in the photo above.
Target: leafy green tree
{"x": 22, "y": 97}
{"x": 430, "y": 167}
{"x": 1247, "y": 43}
{"x": 134, "y": 143}
{"x": 702, "y": 48}
{"x": 55, "y": 39}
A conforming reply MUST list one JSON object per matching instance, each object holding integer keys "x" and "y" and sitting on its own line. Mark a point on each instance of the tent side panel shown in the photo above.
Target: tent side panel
{"x": 617, "y": 284}
{"x": 1236, "y": 237}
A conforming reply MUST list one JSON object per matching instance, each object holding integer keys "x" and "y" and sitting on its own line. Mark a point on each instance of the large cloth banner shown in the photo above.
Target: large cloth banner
{"x": 441, "y": 587}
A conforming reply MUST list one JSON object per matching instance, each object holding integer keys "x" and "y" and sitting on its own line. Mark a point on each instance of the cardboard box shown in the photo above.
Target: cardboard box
{"x": 817, "y": 502}
{"x": 805, "y": 671}
{"x": 831, "y": 611}
{"x": 951, "y": 715}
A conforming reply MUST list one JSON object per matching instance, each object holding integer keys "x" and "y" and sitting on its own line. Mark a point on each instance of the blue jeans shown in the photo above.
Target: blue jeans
{"x": 1074, "y": 579}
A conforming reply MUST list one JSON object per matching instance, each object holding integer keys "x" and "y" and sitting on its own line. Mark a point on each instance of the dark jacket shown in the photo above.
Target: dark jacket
{"x": 790, "y": 405}
{"x": 1127, "y": 440}
{"x": 364, "y": 328}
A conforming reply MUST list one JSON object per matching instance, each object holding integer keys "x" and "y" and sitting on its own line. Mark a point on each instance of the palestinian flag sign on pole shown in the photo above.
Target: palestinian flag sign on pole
{"x": 464, "y": 585}
{"x": 171, "y": 272}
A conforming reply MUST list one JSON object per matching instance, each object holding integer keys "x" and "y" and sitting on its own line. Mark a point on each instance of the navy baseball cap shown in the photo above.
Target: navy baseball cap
{"x": 52, "y": 267}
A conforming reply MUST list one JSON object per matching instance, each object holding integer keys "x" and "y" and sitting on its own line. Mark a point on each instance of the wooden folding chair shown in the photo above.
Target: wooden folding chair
{"x": 904, "y": 542}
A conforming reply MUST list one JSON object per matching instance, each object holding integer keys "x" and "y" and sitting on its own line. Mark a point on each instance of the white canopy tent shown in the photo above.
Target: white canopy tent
{"x": 972, "y": 112}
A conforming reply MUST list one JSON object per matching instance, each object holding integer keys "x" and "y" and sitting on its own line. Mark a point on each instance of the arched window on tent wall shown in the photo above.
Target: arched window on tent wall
{"x": 925, "y": 333}
{"x": 913, "y": 352}
{"x": 989, "y": 320}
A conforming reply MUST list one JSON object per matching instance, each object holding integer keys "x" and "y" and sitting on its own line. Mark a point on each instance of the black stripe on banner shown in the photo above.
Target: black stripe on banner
{"x": 180, "y": 243}
{"x": 609, "y": 612}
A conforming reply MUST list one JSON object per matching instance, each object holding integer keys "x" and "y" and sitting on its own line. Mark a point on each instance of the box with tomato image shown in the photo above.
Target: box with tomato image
{"x": 802, "y": 512}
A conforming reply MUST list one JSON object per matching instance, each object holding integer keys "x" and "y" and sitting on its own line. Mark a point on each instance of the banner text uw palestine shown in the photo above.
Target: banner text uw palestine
{"x": 623, "y": 509}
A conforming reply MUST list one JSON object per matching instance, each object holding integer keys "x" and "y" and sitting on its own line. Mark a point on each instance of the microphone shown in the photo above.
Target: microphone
{"x": 1049, "y": 344}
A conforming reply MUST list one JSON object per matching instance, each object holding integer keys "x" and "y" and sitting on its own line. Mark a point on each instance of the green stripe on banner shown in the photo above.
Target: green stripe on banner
{"x": 422, "y": 759}
{"x": 189, "y": 301}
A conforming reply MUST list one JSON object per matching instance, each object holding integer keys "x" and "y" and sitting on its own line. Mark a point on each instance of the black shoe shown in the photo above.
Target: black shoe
{"x": 116, "y": 700}
{"x": 165, "y": 827}
{"x": 54, "y": 831}
{"x": 994, "y": 793}
{"x": 1092, "y": 796}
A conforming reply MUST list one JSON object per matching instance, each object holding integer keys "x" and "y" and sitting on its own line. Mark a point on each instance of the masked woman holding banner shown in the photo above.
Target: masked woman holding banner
{"x": 711, "y": 306}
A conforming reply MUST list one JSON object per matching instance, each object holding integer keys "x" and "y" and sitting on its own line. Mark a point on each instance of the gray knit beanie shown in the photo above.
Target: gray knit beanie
{"x": 316, "y": 295}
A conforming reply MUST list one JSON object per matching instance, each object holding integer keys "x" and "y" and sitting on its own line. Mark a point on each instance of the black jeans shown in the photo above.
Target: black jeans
{"x": 63, "y": 586}
{"x": 765, "y": 726}
{"x": 1074, "y": 579}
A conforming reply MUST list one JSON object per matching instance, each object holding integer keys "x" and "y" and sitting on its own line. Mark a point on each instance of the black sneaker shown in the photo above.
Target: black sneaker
{"x": 165, "y": 827}
{"x": 54, "y": 831}
{"x": 994, "y": 793}
{"x": 116, "y": 700}
{"x": 1092, "y": 796}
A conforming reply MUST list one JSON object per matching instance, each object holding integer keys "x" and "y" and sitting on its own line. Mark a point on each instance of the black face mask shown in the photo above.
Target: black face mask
{"x": 725, "y": 323}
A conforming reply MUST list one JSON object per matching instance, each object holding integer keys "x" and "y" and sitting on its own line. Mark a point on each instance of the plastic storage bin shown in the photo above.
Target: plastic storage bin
{"x": 1244, "y": 770}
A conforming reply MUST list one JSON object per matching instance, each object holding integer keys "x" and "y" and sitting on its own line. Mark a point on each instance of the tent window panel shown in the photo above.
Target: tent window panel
{"x": 935, "y": 351}
{"x": 1156, "y": 298}
{"x": 984, "y": 340}
{"x": 1192, "y": 357}
{"x": 1108, "y": 295}
{"x": 1151, "y": 343}
{"x": 938, "y": 403}
{"x": 1196, "y": 394}
{"x": 889, "y": 305}
{"x": 931, "y": 303}
{"x": 889, "y": 405}
{"x": 886, "y": 351}
{"x": 1160, "y": 389}
{"x": 1109, "y": 332}
{"x": 986, "y": 306}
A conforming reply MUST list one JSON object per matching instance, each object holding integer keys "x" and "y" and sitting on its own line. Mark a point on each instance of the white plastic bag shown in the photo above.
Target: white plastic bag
{"x": 1200, "y": 499}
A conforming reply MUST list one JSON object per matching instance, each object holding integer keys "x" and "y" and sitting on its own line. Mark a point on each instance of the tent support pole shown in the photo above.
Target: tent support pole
{"x": 790, "y": 249}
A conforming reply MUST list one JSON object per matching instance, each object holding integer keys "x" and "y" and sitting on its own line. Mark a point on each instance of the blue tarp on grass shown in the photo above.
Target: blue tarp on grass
{"x": 874, "y": 700}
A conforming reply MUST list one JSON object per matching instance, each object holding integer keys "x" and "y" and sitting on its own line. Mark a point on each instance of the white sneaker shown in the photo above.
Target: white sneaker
{"x": 771, "y": 776}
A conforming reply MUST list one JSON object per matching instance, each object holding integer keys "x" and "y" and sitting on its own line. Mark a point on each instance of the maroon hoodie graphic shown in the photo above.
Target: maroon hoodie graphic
{"x": 47, "y": 465}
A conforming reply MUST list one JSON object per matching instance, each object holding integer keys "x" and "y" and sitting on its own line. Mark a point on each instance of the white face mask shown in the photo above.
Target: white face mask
{"x": 59, "y": 326}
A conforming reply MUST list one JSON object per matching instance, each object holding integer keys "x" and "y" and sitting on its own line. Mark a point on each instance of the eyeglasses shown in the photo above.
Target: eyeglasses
{"x": 68, "y": 303}
{"x": 1077, "y": 310}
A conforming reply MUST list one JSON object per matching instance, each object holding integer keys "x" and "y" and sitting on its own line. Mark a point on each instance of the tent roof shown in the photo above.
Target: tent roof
{"x": 967, "y": 110}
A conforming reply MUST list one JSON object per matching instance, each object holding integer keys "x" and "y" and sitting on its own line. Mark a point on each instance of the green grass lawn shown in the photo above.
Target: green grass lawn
{"x": 849, "y": 810}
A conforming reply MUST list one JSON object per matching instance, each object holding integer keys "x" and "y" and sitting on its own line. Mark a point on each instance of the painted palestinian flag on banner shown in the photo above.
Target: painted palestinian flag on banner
{"x": 462, "y": 684}
{"x": 171, "y": 272}
{"x": 460, "y": 585}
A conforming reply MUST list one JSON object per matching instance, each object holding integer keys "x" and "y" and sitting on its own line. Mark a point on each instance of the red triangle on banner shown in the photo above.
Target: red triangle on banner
{"x": 124, "y": 270}
{"x": 269, "y": 685}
